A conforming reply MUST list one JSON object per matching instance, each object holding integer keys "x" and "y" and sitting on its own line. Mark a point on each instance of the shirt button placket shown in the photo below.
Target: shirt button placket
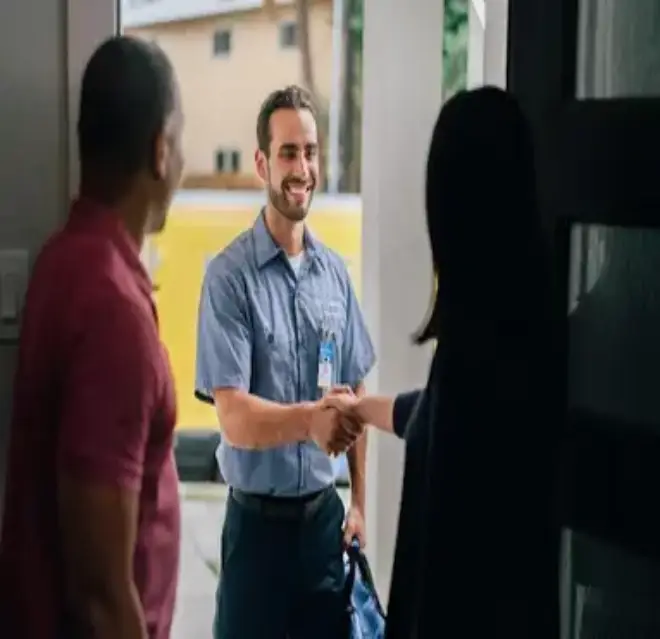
{"x": 300, "y": 380}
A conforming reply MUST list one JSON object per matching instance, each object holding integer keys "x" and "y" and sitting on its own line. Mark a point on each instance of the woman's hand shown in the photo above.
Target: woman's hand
{"x": 343, "y": 400}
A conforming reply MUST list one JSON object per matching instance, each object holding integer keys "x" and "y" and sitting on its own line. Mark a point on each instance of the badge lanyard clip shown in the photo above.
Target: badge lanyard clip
{"x": 326, "y": 361}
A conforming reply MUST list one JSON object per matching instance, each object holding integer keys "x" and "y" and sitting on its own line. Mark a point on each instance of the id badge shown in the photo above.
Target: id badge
{"x": 326, "y": 364}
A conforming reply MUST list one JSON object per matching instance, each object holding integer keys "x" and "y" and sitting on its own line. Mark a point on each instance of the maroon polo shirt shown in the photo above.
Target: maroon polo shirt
{"x": 93, "y": 398}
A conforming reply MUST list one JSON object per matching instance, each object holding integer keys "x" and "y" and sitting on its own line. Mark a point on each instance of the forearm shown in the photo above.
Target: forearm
{"x": 377, "y": 411}
{"x": 357, "y": 462}
{"x": 252, "y": 423}
{"x": 112, "y": 615}
{"x": 98, "y": 531}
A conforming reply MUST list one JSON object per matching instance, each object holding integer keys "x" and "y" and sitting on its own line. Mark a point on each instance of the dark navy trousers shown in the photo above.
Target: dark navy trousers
{"x": 282, "y": 569}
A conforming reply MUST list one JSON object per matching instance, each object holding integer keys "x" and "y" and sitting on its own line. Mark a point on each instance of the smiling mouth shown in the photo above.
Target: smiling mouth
{"x": 298, "y": 190}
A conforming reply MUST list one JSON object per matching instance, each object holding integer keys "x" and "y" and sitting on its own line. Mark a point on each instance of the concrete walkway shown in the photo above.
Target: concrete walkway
{"x": 200, "y": 548}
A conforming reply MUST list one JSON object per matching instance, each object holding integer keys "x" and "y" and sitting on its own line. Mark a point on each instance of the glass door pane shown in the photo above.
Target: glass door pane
{"x": 618, "y": 49}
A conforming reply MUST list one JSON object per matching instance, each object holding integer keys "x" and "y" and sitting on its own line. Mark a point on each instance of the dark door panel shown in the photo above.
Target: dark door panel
{"x": 572, "y": 64}
{"x": 605, "y": 162}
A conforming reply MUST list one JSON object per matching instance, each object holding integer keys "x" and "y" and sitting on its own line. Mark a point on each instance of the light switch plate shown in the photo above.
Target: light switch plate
{"x": 14, "y": 267}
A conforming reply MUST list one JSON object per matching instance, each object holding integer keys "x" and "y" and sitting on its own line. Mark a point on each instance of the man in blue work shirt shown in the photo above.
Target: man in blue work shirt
{"x": 279, "y": 327}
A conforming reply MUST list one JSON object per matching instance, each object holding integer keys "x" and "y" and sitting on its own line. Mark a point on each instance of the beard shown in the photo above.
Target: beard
{"x": 286, "y": 204}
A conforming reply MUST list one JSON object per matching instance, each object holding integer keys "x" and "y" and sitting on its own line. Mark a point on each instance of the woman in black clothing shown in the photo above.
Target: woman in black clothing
{"x": 477, "y": 546}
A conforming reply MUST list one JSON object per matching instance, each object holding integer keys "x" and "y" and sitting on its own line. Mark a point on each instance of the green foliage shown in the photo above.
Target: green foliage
{"x": 454, "y": 47}
{"x": 356, "y": 21}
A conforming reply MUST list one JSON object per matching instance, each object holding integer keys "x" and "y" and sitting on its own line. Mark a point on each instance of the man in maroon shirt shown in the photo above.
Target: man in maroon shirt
{"x": 90, "y": 536}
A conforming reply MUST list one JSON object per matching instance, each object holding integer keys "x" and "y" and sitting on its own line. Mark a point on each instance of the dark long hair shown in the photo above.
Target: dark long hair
{"x": 482, "y": 216}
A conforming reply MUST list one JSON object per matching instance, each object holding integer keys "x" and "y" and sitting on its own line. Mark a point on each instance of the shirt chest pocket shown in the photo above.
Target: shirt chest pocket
{"x": 327, "y": 320}
{"x": 273, "y": 353}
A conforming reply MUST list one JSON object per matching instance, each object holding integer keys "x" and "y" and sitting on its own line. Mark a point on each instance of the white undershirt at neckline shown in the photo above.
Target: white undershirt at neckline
{"x": 296, "y": 262}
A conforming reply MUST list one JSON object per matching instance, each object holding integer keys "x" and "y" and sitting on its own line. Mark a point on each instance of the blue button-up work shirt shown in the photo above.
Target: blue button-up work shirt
{"x": 260, "y": 328}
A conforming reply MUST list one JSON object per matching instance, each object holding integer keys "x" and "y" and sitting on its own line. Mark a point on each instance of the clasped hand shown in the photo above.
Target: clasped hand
{"x": 336, "y": 425}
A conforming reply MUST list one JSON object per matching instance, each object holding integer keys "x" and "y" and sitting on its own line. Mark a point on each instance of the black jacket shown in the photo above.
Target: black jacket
{"x": 477, "y": 547}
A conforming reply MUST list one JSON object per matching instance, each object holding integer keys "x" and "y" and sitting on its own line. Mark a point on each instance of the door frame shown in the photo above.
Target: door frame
{"x": 87, "y": 24}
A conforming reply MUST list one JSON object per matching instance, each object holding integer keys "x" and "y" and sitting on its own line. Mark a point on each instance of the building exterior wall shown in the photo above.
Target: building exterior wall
{"x": 222, "y": 94}
{"x": 137, "y": 13}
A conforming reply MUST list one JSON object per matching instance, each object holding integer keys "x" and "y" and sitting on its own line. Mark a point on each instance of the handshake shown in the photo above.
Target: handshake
{"x": 336, "y": 424}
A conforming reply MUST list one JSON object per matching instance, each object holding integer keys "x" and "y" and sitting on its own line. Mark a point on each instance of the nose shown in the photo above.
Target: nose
{"x": 302, "y": 167}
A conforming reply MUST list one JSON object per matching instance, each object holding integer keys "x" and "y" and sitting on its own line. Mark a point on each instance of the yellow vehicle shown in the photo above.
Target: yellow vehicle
{"x": 200, "y": 224}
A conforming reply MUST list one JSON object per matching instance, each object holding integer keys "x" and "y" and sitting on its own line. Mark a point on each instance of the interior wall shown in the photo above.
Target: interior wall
{"x": 33, "y": 150}
{"x": 44, "y": 47}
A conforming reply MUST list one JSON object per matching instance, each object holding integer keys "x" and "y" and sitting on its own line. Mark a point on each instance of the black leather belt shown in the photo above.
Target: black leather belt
{"x": 282, "y": 507}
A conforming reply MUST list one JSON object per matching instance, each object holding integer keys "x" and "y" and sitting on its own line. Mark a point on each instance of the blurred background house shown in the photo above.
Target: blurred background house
{"x": 229, "y": 54}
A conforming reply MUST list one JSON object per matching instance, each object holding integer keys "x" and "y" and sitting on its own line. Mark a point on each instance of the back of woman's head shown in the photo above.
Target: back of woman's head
{"x": 483, "y": 223}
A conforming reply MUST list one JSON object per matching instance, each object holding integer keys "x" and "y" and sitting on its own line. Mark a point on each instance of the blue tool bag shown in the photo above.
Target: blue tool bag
{"x": 366, "y": 617}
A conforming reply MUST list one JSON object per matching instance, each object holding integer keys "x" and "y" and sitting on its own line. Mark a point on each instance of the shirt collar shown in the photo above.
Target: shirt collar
{"x": 89, "y": 214}
{"x": 267, "y": 249}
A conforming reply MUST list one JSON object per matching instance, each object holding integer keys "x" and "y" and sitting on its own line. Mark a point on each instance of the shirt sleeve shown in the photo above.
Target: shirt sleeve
{"x": 404, "y": 405}
{"x": 109, "y": 396}
{"x": 358, "y": 355}
{"x": 224, "y": 336}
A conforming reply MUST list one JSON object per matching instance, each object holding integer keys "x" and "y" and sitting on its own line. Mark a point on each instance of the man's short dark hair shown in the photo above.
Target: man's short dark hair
{"x": 127, "y": 95}
{"x": 291, "y": 97}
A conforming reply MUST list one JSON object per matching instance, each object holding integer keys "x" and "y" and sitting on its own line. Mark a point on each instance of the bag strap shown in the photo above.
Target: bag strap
{"x": 351, "y": 552}
{"x": 358, "y": 561}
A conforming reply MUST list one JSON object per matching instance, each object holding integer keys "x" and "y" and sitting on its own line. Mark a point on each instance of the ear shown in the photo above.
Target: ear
{"x": 161, "y": 156}
{"x": 261, "y": 164}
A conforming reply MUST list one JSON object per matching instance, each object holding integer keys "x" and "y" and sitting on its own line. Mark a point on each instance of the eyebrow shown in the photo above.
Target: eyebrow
{"x": 288, "y": 147}
{"x": 295, "y": 147}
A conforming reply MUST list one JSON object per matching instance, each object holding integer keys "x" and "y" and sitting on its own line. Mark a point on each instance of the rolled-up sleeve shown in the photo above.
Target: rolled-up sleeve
{"x": 224, "y": 342}
{"x": 358, "y": 355}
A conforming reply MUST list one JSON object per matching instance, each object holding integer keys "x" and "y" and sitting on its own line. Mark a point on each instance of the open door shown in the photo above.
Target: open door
{"x": 588, "y": 74}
